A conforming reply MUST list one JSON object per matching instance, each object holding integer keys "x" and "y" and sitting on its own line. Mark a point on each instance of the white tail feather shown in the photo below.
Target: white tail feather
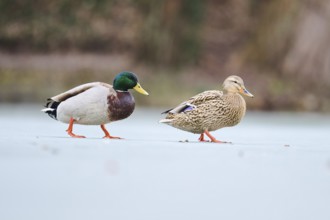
{"x": 47, "y": 109}
{"x": 166, "y": 121}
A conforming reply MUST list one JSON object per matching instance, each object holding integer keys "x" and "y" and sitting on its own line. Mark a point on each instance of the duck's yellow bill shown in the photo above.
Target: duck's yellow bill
{"x": 139, "y": 89}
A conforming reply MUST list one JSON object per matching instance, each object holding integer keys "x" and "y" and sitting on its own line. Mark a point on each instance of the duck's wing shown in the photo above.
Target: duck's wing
{"x": 77, "y": 90}
{"x": 205, "y": 96}
{"x": 194, "y": 101}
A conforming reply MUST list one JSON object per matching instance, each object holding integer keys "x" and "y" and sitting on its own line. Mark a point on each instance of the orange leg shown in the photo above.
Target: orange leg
{"x": 107, "y": 135}
{"x": 201, "y": 138}
{"x": 69, "y": 130}
{"x": 212, "y": 138}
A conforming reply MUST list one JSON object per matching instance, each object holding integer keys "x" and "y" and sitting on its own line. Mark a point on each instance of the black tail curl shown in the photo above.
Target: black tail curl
{"x": 51, "y": 108}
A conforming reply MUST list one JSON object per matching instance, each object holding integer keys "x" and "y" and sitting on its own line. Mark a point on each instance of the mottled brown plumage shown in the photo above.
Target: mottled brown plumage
{"x": 210, "y": 110}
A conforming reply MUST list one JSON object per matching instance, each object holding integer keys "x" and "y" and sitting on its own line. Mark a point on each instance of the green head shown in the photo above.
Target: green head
{"x": 127, "y": 80}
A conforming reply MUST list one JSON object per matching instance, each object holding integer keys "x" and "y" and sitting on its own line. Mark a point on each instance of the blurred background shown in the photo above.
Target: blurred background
{"x": 177, "y": 48}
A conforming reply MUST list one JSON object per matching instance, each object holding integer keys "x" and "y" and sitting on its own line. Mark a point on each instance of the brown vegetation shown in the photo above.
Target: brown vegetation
{"x": 178, "y": 47}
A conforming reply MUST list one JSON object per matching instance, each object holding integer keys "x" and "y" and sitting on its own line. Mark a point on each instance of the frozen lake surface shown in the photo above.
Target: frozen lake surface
{"x": 277, "y": 167}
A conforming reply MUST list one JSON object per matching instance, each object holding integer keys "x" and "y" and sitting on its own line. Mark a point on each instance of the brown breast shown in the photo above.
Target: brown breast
{"x": 120, "y": 105}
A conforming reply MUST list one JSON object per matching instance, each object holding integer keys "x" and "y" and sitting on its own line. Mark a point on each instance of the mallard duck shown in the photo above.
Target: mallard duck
{"x": 210, "y": 110}
{"x": 95, "y": 103}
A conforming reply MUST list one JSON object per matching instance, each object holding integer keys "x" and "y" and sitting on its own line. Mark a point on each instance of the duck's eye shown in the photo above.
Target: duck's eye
{"x": 235, "y": 81}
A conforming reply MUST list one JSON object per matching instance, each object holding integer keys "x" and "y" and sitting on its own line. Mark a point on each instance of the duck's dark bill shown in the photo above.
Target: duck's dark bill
{"x": 247, "y": 93}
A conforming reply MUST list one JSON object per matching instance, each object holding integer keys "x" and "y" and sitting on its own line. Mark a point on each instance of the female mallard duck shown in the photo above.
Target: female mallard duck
{"x": 210, "y": 110}
{"x": 95, "y": 103}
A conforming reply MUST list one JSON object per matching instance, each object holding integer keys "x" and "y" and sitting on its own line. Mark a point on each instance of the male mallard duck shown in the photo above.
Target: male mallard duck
{"x": 210, "y": 110}
{"x": 95, "y": 103}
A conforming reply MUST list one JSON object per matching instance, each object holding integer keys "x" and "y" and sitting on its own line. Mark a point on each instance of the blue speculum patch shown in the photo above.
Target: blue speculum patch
{"x": 188, "y": 108}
